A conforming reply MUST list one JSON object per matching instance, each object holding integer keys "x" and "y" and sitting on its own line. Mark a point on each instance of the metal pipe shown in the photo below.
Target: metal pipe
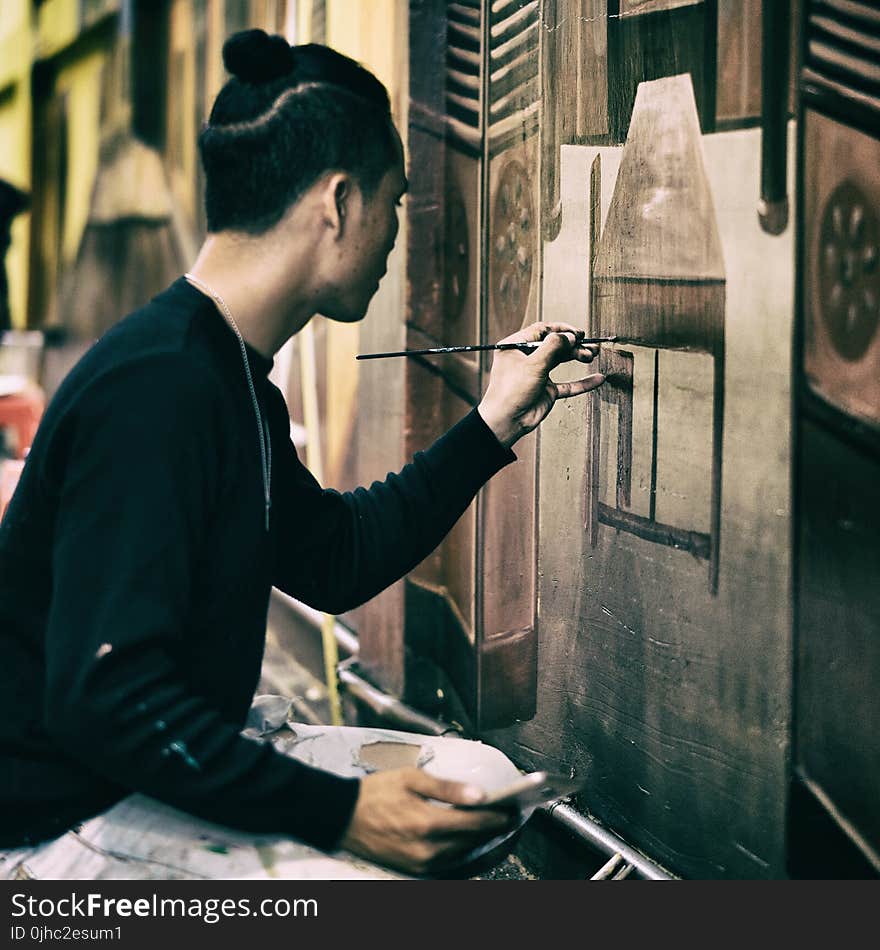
{"x": 347, "y": 641}
{"x": 605, "y": 840}
{"x": 387, "y": 706}
{"x": 775, "y": 42}
{"x": 608, "y": 868}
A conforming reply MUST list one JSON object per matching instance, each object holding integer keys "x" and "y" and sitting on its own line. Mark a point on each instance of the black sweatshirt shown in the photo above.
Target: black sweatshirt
{"x": 135, "y": 572}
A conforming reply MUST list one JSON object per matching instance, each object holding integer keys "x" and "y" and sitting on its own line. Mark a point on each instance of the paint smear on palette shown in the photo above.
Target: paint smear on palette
{"x": 266, "y": 854}
{"x": 383, "y": 755}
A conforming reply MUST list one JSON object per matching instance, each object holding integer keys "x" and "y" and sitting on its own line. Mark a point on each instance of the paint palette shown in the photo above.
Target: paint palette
{"x": 352, "y": 751}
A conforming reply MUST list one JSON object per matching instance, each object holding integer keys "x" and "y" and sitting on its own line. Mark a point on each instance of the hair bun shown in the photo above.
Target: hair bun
{"x": 254, "y": 56}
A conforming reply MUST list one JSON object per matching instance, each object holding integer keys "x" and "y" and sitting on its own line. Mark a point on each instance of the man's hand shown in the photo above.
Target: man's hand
{"x": 520, "y": 391}
{"x": 395, "y": 823}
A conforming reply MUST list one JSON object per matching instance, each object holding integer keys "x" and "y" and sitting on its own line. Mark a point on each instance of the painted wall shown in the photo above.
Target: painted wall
{"x": 599, "y": 163}
{"x": 671, "y": 700}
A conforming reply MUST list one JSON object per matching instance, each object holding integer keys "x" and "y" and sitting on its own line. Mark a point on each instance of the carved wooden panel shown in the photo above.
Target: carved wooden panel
{"x": 842, "y": 266}
{"x": 833, "y": 820}
{"x": 474, "y": 275}
{"x": 507, "y": 671}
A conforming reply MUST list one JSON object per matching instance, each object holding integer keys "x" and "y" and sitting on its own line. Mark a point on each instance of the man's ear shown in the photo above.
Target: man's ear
{"x": 336, "y": 198}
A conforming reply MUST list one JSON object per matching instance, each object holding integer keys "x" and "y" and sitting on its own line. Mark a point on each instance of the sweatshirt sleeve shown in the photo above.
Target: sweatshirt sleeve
{"x": 337, "y": 550}
{"x": 139, "y": 481}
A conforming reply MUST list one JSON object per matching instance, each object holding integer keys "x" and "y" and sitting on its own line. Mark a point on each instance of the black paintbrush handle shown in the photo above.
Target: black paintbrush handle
{"x": 441, "y": 350}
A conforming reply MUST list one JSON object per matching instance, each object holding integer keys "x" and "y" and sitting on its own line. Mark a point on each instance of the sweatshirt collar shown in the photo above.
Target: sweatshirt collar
{"x": 260, "y": 365}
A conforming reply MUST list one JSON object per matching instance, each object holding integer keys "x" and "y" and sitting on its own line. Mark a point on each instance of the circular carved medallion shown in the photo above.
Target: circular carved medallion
{"x": 513, "y": 247}
{"x": 457, "y": 263}
{"x": 849, "y": 277}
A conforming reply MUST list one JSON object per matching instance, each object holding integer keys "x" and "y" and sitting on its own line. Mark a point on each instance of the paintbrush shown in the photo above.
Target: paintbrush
{"x": 441, "y": 350}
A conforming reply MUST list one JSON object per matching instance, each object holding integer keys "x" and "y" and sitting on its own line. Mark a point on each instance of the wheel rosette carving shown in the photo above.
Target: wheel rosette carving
{"x": 457, "y": 265}
{"x": 513, "y": 245}
{"x": 849, "y": 277}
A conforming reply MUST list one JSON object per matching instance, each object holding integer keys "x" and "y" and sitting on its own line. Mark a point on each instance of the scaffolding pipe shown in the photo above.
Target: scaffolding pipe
{"x": 345, "y": 639}
{"x": 387, "y": 706}
{"x": 605, "y": 840}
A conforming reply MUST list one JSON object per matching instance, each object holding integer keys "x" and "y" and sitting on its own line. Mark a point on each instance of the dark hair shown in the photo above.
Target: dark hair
{"x": 287, "y": 115}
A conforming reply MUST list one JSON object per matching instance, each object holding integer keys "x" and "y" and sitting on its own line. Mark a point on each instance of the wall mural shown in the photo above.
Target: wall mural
{"x": 658, "y": 281}
{"x": 662, "y": 587}
{"x": 617, "y": 603}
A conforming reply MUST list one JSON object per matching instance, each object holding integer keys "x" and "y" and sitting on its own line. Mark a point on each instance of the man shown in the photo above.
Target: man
{"x": 163, "y": 499}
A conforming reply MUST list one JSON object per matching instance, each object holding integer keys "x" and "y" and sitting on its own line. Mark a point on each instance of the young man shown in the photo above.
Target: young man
{"x": 162, "y": 498}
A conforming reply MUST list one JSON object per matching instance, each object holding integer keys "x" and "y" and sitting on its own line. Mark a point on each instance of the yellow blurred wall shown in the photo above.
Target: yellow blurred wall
{"x": 26, "y": 37}
{"x": 16, "y": 42}
{"x": 372, "y": 31}
{"x": 374, "y": 34}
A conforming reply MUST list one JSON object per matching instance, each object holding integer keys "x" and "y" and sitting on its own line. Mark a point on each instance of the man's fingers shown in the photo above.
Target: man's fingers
{"x": 448, "y": 849}
{"x": 586, "y": 354}
{"x": 579, "y": 386}
{"x": 538, "y": 331}
{"x": 477, "y": 822}
{"x": 562, "y": 335}
{"x": 556, "y": 348}
{"x": 444, "y": 790}
{"x": 451, "y": 821}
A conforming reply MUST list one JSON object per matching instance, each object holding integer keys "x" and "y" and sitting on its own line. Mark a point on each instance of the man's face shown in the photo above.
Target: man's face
{"x": 369, "y": 232}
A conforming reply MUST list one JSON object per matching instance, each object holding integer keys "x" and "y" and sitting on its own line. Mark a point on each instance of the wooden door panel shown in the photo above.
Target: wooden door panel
{"x": 839, "y": 636}
{"x": 474, "y": 276}
{"x": 833, "y": 819}
{"x": 506, "y": 644}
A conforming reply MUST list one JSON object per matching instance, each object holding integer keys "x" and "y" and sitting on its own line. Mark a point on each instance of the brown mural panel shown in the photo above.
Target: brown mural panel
{"x": 739, "y": 60}
{"x": 663, "y": 587}
{"x": 657, "y": 38}
{"x": 640, "y": 627}
{"x": 659, "y": 281}
{"x": 574, "y": 57}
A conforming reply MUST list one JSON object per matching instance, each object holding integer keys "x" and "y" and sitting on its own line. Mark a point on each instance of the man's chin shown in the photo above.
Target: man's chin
{"x": 344, "y": 314}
